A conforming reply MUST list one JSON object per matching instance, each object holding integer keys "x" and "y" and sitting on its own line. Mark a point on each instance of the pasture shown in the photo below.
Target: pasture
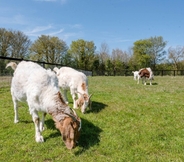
{"x": 128, "y": 122}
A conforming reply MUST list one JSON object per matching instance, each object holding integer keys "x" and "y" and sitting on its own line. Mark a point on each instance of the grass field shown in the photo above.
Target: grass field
{"x": 128, "y": 122}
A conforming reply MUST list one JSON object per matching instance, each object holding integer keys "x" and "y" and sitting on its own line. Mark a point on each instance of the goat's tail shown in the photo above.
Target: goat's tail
{"x": 13, "y": 65}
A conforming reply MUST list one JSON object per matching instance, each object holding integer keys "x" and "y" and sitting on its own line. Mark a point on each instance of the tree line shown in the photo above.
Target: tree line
{"x": 82, "y": 54}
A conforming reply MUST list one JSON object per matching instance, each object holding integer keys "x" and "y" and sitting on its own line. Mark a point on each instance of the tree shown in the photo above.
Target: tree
{"x": 141, "y": 50}
{"x": 102, "y": 57}
{"x": 176, "y": 55}
{"x": 13, "y": 44}
{"x": 83, "y": 53}
{"x": 5, "y": 39}
{"x": 20, "y": 44}
{"x": 119, "y": 59}
{"x": 157, "y": 51}
{"x": 149, "y": 52}
{"x": 48, "y": 49}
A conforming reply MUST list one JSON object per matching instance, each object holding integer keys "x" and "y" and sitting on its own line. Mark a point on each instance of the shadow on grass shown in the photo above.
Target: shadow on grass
{"x": 51, "y": 125}
{"x": 89, "y": 135}
{"x": 152, "y": 83}
{"x": 96, "y": 107}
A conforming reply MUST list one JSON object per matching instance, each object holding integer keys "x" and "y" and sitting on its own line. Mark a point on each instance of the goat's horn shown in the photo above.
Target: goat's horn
{"x": 90, "y": 96}
{"x": 75, "y": 119}
{"x": 74, "y": 112}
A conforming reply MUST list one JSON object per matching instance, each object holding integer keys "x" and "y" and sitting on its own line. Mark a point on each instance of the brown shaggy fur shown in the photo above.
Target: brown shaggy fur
{"x": 144, "y": 73}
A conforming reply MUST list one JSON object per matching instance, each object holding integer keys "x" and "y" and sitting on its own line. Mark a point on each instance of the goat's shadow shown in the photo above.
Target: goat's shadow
{"x": 51, "y": 125}
{"x": 89, "y": 135}
{"x": 96, "y": 107}
{"x": 152, "y": 83}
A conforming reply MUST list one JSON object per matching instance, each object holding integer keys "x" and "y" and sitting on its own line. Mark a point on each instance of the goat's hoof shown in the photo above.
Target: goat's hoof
{"x": 39, "y": 139}
{"x": 16, "y": 121}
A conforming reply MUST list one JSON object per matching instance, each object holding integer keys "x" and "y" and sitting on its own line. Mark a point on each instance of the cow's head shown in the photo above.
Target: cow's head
{"x": 70, "y": 130}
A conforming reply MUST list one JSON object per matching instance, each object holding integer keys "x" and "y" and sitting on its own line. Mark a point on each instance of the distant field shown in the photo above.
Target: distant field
{"x": 128, "y": 122}
{"x": 5, "y": 81}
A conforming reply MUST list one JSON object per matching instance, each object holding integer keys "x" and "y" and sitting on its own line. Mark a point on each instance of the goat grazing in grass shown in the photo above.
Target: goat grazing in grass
{"x": 77, "y": 82}
{"x": 145, "y": 73}
{"x": 39, "y": 88}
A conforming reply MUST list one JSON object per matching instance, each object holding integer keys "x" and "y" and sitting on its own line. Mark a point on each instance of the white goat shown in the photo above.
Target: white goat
{"x": 145, "y": 73}
{"x": 39, "y": 87}
{"x": 77, "y": 82}
{"x": 136, "y": 74}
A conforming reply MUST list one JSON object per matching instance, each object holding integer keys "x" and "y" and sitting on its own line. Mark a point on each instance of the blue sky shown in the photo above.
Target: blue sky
{"x": 118, "y": 23}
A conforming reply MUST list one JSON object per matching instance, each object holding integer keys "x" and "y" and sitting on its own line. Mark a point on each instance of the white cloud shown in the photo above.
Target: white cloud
{"x": 56, "y": 32}
{"x": 37, "y": 31}
{"x": 77, "y": 26}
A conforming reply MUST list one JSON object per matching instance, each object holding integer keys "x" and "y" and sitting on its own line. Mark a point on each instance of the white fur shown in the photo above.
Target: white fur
{"x": 71, "y": 79}
{"x": 136, "y": 74}
{"x": 38, "y": 87}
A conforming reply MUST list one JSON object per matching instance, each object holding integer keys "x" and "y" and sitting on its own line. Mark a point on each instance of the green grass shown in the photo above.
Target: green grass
{"x": 128, "y": 122}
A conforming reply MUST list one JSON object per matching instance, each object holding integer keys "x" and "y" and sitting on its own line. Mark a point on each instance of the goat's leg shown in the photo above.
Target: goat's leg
{"x": 144, "y": 80}
{"x": 72, "y": 91}
{"x": 42, "y": 122}
{"x": 65, "y": 96}
{"x": 15, "y": 104}
{"x": 36, "y": 120}
{"x": 138, "y": 78}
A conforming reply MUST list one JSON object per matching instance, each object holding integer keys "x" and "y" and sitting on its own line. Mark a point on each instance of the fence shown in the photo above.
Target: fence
{"x": 3, "y": 62}
{"x": 6, "y": 74}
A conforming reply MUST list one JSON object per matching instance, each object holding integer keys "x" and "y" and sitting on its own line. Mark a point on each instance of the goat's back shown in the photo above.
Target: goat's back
{"x": 30, "y": 79}
{"x": 70, "y": 77}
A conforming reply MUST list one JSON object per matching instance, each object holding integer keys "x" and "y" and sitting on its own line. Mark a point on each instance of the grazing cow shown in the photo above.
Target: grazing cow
{"x": 77, "y": 83}
{"x": 39, "y": 88}
{"x": 136, "y": 74}
{"x": 145, "y": 73}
